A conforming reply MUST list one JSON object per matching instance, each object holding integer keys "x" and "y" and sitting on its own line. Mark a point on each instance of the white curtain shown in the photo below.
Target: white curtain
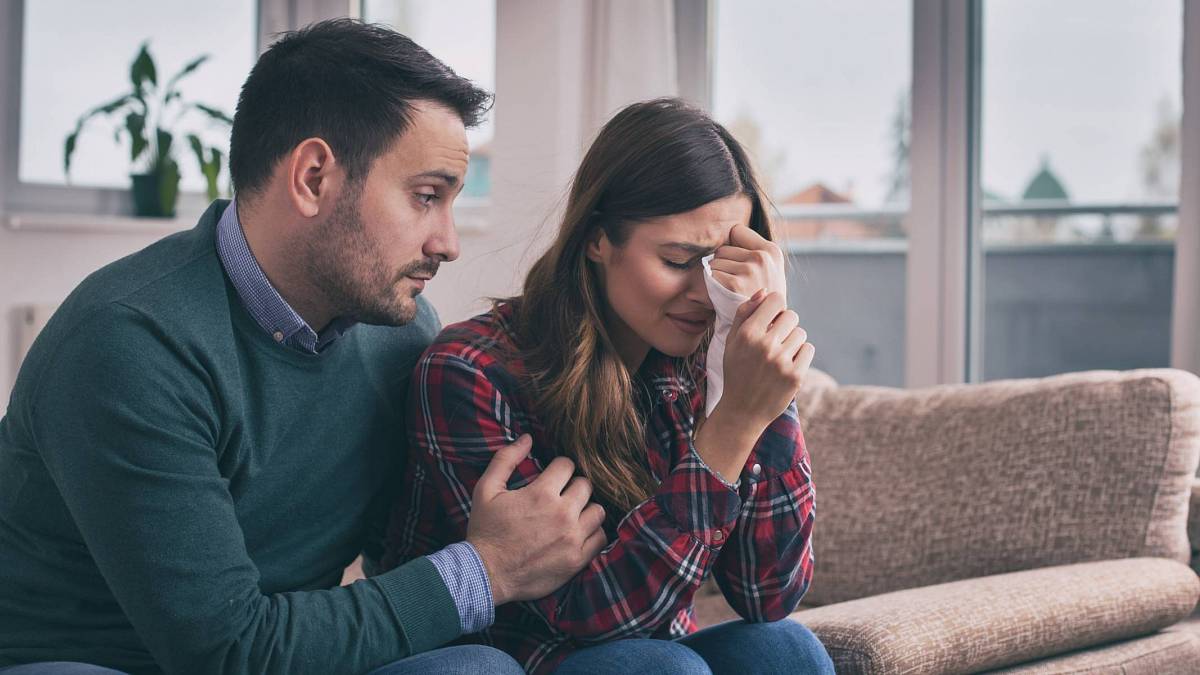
{"x": 631, "y": 56}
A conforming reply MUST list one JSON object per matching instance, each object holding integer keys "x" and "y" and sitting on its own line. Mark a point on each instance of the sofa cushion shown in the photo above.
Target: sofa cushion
{"x": 1194, "y": 524}
{"x": 917, "y": 487}
{"x": 1170, "y": 652}
{"x": 1006, "y": 619}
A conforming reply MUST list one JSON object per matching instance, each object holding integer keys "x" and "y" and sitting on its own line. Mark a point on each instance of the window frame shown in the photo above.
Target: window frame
{"x": 38, "y": 206}
{"x": 72, "y": 209}
{"x": 943, "y": 310}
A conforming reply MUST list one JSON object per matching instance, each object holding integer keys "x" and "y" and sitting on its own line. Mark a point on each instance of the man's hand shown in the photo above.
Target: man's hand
{"x": 533, "y": 540}
{"x": 354, "y": 572}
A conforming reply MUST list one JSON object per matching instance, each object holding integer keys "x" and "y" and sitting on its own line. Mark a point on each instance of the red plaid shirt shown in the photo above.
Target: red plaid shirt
{"x": 468, "y": 400}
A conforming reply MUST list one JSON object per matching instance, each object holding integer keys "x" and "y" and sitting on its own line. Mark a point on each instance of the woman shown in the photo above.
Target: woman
{"x": 602, "y": 359}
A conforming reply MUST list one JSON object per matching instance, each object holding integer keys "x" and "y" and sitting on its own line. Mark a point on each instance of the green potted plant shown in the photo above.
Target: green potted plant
{"x": 148, "y": 115}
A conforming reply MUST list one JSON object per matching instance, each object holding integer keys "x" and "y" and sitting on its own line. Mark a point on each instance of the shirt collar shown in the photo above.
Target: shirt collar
{"x": 269, "y": 310}
{"x": 665, "y": 373}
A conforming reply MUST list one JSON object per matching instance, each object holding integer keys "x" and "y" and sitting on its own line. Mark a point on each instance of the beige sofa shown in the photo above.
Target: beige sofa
{"x": 1031, "y": 526}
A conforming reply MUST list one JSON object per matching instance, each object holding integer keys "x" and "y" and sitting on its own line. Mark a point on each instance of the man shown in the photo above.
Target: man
{"x": 202, "y": 438}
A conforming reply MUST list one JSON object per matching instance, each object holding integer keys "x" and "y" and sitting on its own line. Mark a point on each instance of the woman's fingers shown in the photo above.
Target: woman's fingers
{"x": 735, "y": 253}
{"x": 782, "y": 326}
{"x": 733, "y": 267}
{"x": 744, "y": 237}
{"x": 743, "y": 278}
{"x": 804, "y": 357}
{"x": 795, "y": 339}
{"x": 757, "y": 322}
{"x": 747, "y": 308}
{"x": 727, "y": 280}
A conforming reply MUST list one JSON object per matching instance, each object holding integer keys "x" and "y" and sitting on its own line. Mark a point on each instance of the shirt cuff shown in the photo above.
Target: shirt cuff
{"x": 462, "y": 570}
{"x": 732, "y": 486}
{"x": 698, "y": 502}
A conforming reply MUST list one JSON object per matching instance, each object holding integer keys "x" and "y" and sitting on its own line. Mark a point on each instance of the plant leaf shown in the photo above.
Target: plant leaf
{"x": 68, "y": 150}
{"x": 187, "y": 70}
{"x": 110, "y": 107}
{"x": 213, "y": 113}
{"x": 135, "y": 123}
{"x": 164, "y": 139}
{"x": 142, "y": 70}
{"x": 73, "y": 138}
{"x": 210, "y": 165}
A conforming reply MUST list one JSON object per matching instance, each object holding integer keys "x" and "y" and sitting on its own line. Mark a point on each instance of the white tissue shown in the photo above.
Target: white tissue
{"x": 725, "y": 302}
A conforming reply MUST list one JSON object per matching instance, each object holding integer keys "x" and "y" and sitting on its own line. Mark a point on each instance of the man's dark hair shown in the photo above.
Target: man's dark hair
{"x": 350, "y": 83}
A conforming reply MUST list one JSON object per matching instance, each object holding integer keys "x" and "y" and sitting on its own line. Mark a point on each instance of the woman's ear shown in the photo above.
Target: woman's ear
{"x": 598, "y": 246}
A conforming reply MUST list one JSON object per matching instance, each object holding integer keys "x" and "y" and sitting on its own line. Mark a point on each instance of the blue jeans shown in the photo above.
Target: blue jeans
{"x": 735, "y": 647}
{"x": 463, "y": 660}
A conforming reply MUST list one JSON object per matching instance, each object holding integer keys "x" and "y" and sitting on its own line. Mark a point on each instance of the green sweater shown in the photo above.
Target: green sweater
{"x": 179, "y": 492}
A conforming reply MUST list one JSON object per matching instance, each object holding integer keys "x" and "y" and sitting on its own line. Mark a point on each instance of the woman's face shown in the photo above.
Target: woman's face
{"x": 654, "y": 283}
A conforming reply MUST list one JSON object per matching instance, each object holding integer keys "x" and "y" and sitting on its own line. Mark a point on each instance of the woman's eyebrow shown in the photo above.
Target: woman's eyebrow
{"x": 691, "y": 249}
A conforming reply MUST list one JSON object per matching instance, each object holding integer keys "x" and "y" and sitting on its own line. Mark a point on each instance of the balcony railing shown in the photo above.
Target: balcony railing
{"x": 895, "y": 216}
{"x": 1048, "y": 306}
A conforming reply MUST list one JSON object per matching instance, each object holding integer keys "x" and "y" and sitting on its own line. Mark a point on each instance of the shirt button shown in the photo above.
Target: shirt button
{"x": 718, "y": 536}
{"x": 278, "y": 336}
{"x": 756, "y": 469}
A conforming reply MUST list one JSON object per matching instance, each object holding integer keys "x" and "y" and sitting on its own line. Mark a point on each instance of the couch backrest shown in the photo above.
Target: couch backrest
{"x": 915, "y": 487}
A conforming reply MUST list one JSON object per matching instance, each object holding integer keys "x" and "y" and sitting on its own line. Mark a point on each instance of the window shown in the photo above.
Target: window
{"x": 463, "y": 36}
{"x": 1080, "y": 160}
{"x": 77, "y": 55}
{"x": 819, "y": 94}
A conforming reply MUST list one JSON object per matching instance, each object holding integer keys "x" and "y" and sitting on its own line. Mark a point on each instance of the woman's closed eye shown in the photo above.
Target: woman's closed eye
{"x": 679, "y": 265}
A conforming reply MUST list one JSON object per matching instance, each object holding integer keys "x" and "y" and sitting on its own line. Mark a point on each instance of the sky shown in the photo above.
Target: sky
{"x": 1077, "y": 82}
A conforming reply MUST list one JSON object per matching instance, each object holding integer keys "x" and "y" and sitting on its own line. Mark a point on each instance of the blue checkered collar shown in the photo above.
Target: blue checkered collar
{"x": 269, "y": 310}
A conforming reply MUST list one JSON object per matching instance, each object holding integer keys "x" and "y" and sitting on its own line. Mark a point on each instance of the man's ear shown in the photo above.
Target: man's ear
{"x": 310, "y": 171}
{"x": 598, "y": 246}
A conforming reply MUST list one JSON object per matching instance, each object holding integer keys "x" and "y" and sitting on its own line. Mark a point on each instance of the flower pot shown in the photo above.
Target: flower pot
{"x": 154, "y": 194}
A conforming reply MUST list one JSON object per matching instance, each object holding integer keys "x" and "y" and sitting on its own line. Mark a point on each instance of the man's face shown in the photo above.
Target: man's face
{"x": 387, "y": 235}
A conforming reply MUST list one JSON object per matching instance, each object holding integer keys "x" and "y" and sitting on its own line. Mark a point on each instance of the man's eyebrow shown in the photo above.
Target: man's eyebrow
{"x": 693, "y": 249}
{"x": 444, "y": 176}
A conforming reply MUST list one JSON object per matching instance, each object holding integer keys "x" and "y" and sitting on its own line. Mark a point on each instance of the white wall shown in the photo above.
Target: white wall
{"x": 39, "y": 267}
{"x": 539, "y": 113}
{"x": 42, "y": 268}
{"x": 558, "y": 79}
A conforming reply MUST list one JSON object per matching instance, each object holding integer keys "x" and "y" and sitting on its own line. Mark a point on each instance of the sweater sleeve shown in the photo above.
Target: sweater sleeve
{"x": 127, "y": 424}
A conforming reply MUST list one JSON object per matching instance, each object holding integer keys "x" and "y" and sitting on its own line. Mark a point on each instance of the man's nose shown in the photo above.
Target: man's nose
{"x": 443, "y": 242}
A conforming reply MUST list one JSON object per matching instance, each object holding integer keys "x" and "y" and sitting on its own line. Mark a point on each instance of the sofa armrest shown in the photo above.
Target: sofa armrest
{"x": 1004, "y": 619}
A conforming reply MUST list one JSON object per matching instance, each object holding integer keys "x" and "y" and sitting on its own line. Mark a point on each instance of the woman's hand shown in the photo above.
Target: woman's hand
{"x": 749, "y": 263}
{"x": 767, "y": 356}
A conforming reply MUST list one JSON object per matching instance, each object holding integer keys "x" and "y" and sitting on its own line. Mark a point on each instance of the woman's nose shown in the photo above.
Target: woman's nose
{"x": 697, "y": 290}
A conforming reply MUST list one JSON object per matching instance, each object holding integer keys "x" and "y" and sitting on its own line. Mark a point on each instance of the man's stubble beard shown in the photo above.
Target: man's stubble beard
{"x": 350, "y": 271}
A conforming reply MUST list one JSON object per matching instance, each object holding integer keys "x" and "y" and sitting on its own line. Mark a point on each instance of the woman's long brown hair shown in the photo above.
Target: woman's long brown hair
{"x": 654, "y": 158}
